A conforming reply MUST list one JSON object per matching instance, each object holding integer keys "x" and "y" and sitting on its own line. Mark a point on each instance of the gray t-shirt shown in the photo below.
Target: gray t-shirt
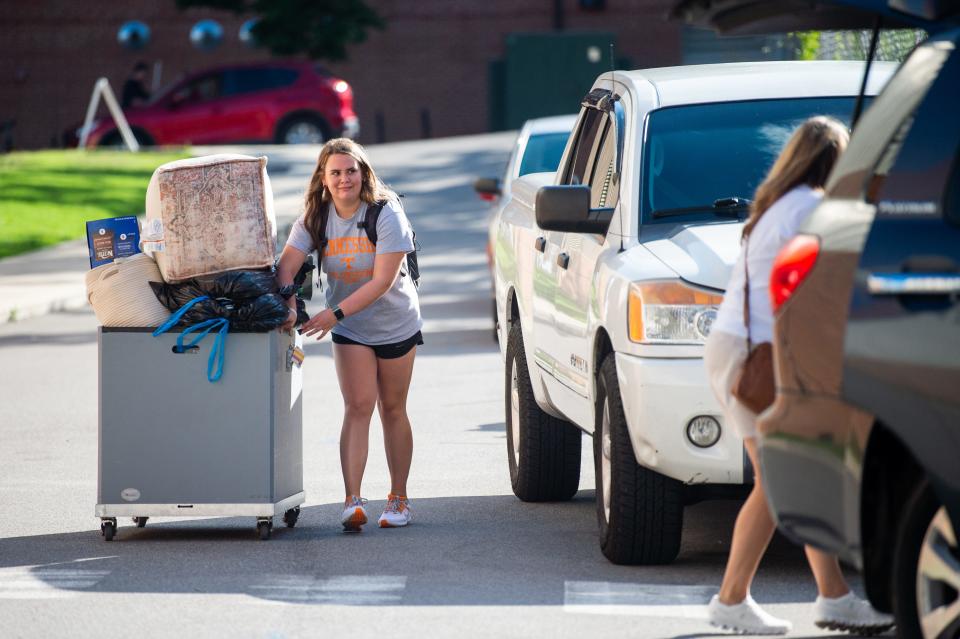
{"x": 348, "y": 263}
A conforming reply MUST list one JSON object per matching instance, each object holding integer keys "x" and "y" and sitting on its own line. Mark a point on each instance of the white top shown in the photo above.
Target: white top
{"x": 777, "y": 226}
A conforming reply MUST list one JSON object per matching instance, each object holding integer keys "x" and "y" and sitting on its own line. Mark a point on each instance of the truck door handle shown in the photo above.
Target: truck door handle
{"x": 541, "y": 244}
{"x": 563, "y": 260}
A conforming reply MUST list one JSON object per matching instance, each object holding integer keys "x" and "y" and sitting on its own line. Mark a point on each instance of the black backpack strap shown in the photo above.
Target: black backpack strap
{"x": 369, "y": 221}
{"x": 321, "y": 240}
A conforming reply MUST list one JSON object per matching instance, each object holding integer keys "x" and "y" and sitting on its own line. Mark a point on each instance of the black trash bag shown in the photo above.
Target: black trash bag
{"x": 173, "y": 296}
{"x": 260, "y": 314}
{"x": 247, "y": 299}
{"x": 240, "y": 285}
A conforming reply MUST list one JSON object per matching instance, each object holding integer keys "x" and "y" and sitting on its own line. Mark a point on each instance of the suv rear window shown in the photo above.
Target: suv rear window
{"x": 697, "y": 154}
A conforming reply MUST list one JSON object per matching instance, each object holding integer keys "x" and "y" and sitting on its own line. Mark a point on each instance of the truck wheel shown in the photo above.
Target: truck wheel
{"x": 926, "y": 577}
{"x": 543, "y": 451}
{"x": 640, "y": 511}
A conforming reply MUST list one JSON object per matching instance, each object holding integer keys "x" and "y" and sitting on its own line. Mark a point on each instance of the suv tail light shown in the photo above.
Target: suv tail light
{"x": 791, "y": 267}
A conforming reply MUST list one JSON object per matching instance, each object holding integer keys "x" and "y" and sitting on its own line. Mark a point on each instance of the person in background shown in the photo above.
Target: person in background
{"x": 135, "y": 91}
{"x": 787, "y": 195}
{"x": 373, "y": 313}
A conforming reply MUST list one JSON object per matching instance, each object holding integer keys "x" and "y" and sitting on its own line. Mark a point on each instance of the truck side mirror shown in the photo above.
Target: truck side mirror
{"x": 567, "y": 208}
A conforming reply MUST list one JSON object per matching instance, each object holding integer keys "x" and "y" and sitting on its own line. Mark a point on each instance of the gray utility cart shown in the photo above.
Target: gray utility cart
{"x": 171, "y": 443}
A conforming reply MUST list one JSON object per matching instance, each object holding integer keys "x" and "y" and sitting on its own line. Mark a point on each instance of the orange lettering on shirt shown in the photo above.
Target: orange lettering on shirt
{"x": 349, "y": 245}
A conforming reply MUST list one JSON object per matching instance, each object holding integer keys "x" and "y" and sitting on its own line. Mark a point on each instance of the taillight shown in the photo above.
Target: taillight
{"x": 340, "y": 86}
{"x": 791, "y": 267}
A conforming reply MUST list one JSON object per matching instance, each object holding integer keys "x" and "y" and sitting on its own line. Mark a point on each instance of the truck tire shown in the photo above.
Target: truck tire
{"x": 922, "y": 592}
{"x": 543, "y": 451}
{"x": 640, "y": 511}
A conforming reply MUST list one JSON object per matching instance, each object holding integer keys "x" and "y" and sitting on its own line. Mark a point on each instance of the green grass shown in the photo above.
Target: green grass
{"x": 46, "y": 196}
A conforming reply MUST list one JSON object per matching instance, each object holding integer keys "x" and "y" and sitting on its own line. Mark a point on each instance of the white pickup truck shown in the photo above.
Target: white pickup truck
{"x": 608, "y": 275}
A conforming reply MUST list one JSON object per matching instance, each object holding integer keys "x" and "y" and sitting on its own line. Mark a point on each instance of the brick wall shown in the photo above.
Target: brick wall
{"x": 433, "y": 55}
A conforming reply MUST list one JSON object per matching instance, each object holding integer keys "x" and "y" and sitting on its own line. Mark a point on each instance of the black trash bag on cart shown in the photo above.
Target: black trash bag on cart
{"x": 249, "y": 300}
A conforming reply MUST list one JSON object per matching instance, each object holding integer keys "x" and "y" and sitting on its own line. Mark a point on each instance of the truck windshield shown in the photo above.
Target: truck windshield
{"x": 704, "y": 161}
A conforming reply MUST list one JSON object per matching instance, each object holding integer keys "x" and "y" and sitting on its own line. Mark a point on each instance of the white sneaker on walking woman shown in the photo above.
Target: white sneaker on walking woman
{"x": 746, "y": 617}
{"x": 354, "y": 514}
{"x": 396, "y": 514}
{"x": 850, "y": 614}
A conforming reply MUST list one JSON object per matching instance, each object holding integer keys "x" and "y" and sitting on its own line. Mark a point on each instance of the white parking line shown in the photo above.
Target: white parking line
{"x": 345, "y": 590}
{"x": 643, "y": 600}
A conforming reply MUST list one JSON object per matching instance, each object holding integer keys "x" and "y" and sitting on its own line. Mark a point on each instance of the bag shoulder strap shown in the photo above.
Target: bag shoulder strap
{"x": 746, "y": 291}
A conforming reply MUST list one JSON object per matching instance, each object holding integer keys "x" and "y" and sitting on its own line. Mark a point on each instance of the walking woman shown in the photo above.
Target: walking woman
{"x": 372, "y": 312}
{"x": 783, "y": 200}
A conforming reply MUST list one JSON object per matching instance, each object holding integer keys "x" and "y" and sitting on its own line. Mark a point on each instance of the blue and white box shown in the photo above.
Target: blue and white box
{"x": 112, "y": 238}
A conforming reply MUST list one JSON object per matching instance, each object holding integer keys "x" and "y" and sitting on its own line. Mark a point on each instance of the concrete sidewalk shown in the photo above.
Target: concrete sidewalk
{"x": 44, "y": 281}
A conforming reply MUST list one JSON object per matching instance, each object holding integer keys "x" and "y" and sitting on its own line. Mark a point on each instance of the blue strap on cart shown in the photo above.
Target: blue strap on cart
{"x": 219, "y": 324}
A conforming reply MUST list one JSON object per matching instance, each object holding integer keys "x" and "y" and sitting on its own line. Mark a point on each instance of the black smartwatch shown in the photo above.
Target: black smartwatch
{"x": 337, "y": 312}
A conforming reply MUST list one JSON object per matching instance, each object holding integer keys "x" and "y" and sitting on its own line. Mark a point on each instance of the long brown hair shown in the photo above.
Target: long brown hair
{"x": 372, "y": 189}
{"x": 807, "y": 158}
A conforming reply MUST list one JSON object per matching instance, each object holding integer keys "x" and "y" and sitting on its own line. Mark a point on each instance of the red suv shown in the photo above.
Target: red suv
{"x": 282, "y": 102}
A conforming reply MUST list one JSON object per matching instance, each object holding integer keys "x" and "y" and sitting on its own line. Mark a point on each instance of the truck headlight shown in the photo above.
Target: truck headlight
{"x": 670, "y": 312}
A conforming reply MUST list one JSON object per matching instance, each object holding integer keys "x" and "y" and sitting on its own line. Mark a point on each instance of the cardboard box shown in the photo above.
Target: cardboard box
{"x": 112, "y": 238}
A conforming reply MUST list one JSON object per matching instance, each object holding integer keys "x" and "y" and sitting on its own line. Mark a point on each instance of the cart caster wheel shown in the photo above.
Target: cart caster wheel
{"x": 108, "y": 529}
{"x": 263, "y": 530}
{"x": 140, "y": 521}
{"x": 290, "y": 517}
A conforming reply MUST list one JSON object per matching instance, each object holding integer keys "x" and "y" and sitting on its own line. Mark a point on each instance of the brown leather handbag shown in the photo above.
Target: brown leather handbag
{"x": 754, "y": 387}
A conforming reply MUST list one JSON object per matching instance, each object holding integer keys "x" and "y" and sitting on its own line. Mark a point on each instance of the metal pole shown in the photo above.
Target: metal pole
{"x": 119, "y": 119}
{"x": 858, "y": 106}
{"x": 91, "y": 110}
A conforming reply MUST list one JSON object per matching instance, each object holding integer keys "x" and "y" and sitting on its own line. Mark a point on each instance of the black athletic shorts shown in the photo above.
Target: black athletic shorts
{"x": 385, "y": 351}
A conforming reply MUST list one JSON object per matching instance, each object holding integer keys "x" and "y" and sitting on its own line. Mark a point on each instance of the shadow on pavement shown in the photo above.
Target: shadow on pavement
{"x": 479, "y": 550}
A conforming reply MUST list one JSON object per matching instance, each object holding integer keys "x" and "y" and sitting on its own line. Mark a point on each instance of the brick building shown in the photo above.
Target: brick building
{"x": 429, "y": 72}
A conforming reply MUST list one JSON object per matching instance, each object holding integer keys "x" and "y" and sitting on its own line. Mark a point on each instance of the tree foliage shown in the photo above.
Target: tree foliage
{"x": 893, "y": 45}
{"x": 320, "y": 29}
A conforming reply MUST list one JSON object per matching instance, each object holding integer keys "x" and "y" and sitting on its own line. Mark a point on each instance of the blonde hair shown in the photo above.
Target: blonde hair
{"x": 372, "y": 189}
{"x": 807, "y": 158}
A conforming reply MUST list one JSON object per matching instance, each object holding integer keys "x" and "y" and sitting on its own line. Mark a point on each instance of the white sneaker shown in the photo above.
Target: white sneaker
{"x": 746, "y": 617}
{"x": 851, "y": 614}
{"x": 354, "y": 514}
{"x": 396, "y": 513}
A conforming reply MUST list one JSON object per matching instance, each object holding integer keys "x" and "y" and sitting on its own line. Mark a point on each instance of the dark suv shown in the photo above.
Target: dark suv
{"x": 282, "y": 102}
{"x": 861, "y": 450}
